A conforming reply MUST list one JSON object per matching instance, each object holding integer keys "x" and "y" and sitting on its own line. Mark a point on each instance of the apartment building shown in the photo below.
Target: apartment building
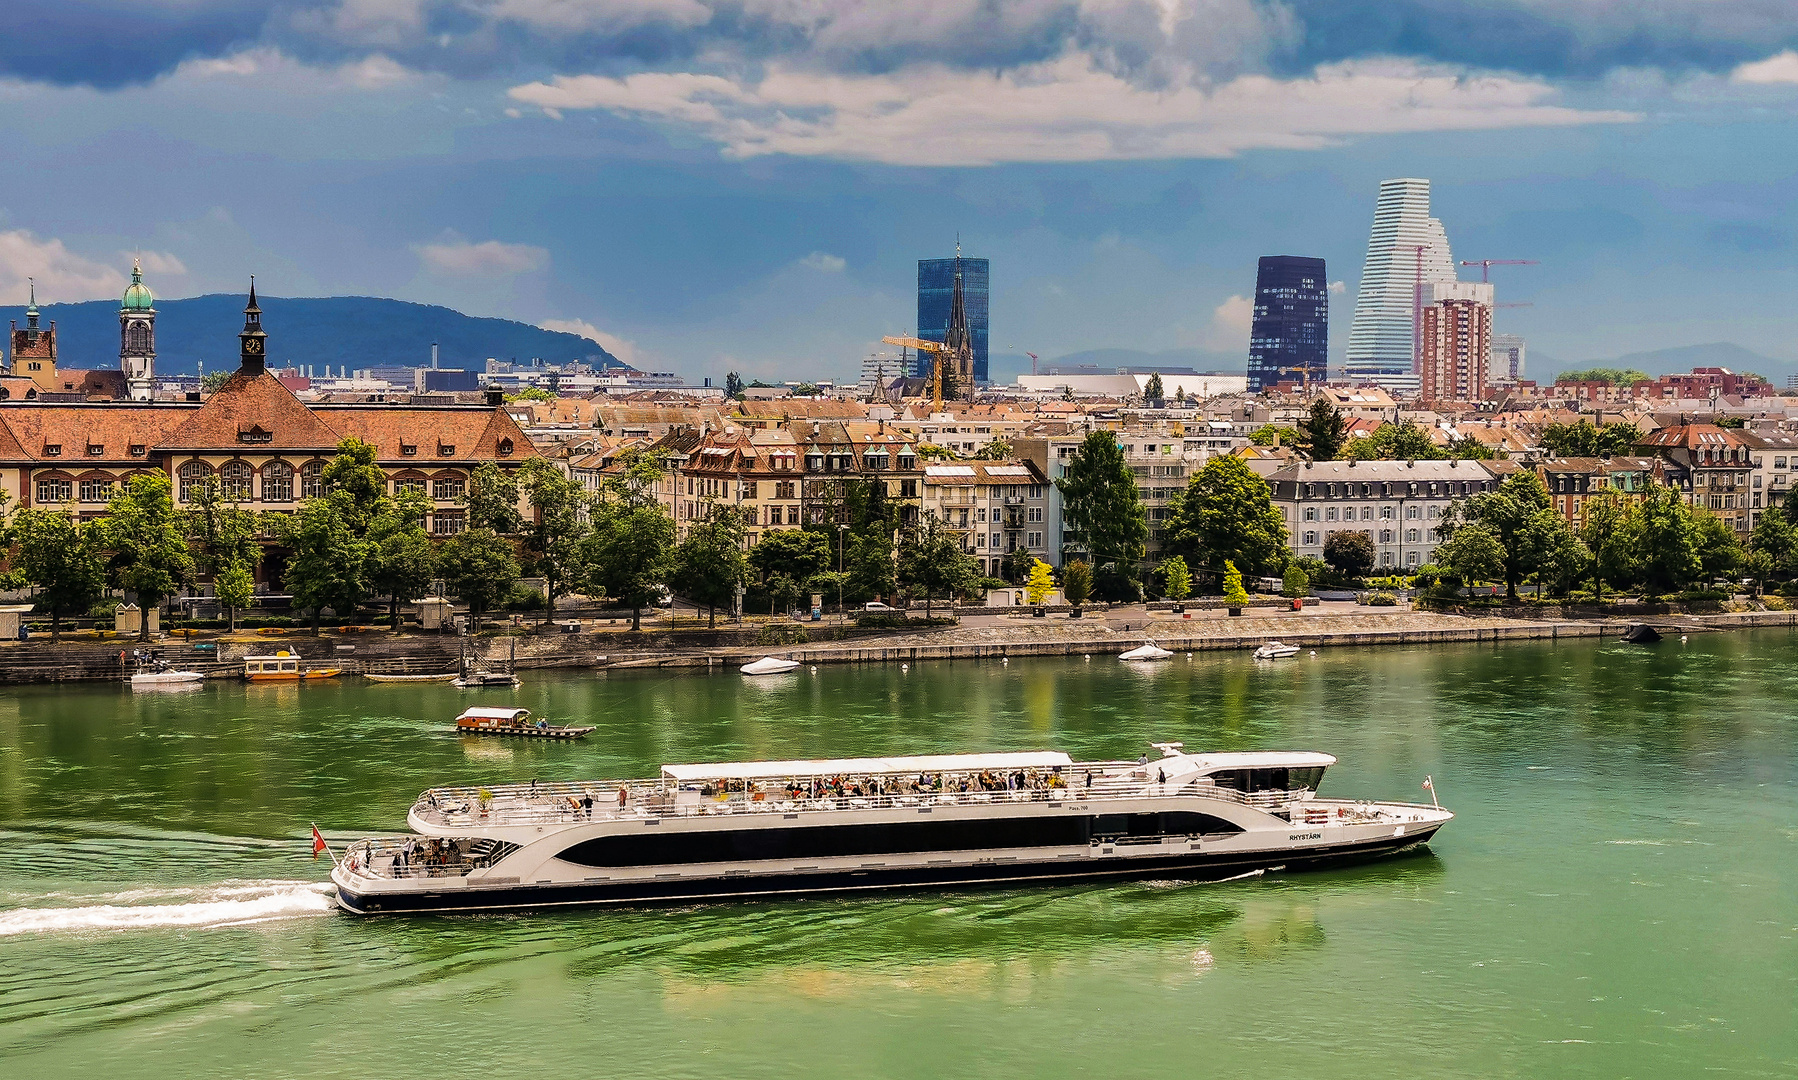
{"x": 1399, "y": 504}
{"x": 996, "y": 507}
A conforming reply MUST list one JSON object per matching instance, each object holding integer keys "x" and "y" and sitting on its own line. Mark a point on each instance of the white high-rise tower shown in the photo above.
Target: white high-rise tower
{"x": 1408, "y": 248}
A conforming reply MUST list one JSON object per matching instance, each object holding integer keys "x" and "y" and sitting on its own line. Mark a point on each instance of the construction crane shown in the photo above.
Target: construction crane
{"x": 936, "y": 349}
{"x": 1486, "y": 265}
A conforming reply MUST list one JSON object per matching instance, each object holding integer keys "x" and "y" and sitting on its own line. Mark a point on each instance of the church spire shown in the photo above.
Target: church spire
{"x": 31, "y": 309}
{"x": 253, "y": 339}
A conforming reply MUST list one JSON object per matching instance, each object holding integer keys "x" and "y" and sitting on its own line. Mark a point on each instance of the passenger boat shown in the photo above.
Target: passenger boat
{"x": 283, "y": 667}
{"x": 1275, "y": 650}
{"x": 516, "y": 722}
{"x": 1150, "y": 651}
{"x": 775, "y": 829}
{"x": 769, "y": 665}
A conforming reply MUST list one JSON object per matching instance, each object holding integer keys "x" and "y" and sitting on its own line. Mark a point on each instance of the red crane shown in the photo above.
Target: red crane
{"x": 1486, "y": 265}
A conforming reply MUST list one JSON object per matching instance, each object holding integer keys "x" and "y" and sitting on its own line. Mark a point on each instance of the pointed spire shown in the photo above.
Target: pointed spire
{"x": 137, "y": 271}
{"x": 31, "y": 309}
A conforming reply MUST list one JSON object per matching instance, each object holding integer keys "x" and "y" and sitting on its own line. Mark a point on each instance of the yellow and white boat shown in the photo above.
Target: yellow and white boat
{"x": 283, "y": 667}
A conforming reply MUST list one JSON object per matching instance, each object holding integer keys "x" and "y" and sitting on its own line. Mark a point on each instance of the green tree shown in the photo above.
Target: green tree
{"x": 1609, "y": 531}
{"x": 1015, "y": 570}
{"x": 1403, "y": 441}
{"x": 1100, "y": 504}
{"x": 1614, "y": 376}
{"x": 1349, "y": 553}
{"x": 1041, "y": 582}
{"x": 733, "y": 385}
{"x": 402, "y": 560}
{"x": 1584, "y": 439}
{"x": 492, "y": 500}
{"x": 1235, "y": 596}
{"x": 1227, "y": 512}
{"x": 1775, "y": 538}
{"x": 532, "y": 393}
{"x": 358, "y": 484}
{"x": 1719, "y": 551}
{"x": 784, "y": 593}
{"x": 709, "y": 563}
{"x": 1759, "y": 566}
{"x": 480, "y": 566}
{"x": 225, "y": 535}
{"x": 1323, "y": 432}
{"x": 214, "y": 381}
{"x": 1269, "y": 434}
{"x": 996, "y": 450}
{"x": 1176, "y": 578}
{"x": 631, "y": 551}
{"x": 870, "y": 564}
{"x": 1153, "y": 390}
{"x": 149, "y": 549}
{"x": 1474, "y": 553}
{"x": 1518, "y": 513}
{"x": 931, "y": 559}
{"x": 1468, "y": 448}
{"x": 797, "y": 554}
{"x": 555, "y": 535}
{"x": 59, "y": 555}
{"x": 328, "y": 567}
{"x": 1295, "y": 584}
{"x": 1077, "y": 581}
{"x": 1667, "y": 547}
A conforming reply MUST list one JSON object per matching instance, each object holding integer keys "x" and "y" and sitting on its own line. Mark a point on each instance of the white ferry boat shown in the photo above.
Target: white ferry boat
{"x": 777, "y": 829}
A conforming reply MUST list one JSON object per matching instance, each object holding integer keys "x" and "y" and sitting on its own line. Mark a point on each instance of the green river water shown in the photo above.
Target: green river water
{"x": 1615, "y": 898}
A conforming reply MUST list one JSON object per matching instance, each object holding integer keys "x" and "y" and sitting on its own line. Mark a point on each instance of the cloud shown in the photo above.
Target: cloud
{"x": 1068, "y": 109}
{"x": 824, "y": 262}
{"x": 626, "y": 351}
{"x": 490, "y": 258}
{"x": 1338, "y": 287}
{"x": 1781, "y": 68}
{"x": 62, "y": 276}
{"x": 1230, "y": 325}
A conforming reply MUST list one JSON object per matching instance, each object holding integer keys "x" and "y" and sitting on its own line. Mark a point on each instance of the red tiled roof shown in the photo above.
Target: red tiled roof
{"x": 29, "y": 427}
{"x": 253, "y": 403}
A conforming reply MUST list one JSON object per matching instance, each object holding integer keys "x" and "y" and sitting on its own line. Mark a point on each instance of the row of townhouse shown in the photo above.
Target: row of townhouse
{"x": 1735, "y": 474}
{"x": 996, "y": 507}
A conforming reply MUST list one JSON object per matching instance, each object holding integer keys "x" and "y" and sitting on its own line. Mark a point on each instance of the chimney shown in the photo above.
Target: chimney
{"x": 495, "y": 397}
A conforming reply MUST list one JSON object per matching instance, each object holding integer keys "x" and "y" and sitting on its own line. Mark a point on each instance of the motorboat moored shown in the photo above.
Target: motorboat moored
{"x": 163, "y": 675}
{"x": 1275, "y": 650}
{"x": 445, "y": 677}
{"x": 769, "y": 665}
{"x": 1150, "y": 651}
{"x": 853, "y": 826}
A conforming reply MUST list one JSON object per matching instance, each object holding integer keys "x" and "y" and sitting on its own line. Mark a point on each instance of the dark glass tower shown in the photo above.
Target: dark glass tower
{"x": 936, "y": 293}
{"x": 1290, "y": 338}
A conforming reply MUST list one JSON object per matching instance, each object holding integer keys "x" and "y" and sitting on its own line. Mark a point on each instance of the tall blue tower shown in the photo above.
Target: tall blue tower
{"x": 936, "y": 295}
{"x": 1289, "y": 340}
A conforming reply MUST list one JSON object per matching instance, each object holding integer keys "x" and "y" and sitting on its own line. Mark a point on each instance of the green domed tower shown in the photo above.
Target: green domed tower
{"x": 137, "y": 337}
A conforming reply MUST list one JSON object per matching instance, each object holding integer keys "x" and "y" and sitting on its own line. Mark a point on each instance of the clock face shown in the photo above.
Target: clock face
{"x": 252, "y": 345}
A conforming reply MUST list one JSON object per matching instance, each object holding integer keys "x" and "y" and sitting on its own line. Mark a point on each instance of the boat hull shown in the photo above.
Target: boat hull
{"x": 411, "y": 678}
{"x": 1194, "y": 866}
{"x": 289, "y": 676}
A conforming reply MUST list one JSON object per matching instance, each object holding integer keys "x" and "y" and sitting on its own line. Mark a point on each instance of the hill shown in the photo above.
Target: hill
{"x": 1006, "y": 368}
{"x": 334, "y": 331}
{"x": 1680, "y": 358}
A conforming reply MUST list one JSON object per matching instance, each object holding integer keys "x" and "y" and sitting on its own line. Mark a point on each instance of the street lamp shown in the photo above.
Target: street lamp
{"x": 842, "y": 531}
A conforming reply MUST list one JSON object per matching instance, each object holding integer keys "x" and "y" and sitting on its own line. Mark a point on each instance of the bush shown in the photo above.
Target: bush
{"x": 1774, "y": 603}
{"x": 1702, "y": 596}
{"x": 882, "y": 620}
{"x": 777, "y": 634}
{"x": 105, "y": 609}
{"x": 247, "y": 622}
{"x": 522, "y": 598}
{"x": 1382, "y": 599}
{"x": 1295, "y": 583}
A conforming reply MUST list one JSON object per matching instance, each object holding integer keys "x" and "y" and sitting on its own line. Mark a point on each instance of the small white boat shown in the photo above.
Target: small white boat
{"x": 165, "y": 677}
{"x": 770, "y": 665}
{"x": 1151, "y": 651}
{"x": 1274, "y": 650}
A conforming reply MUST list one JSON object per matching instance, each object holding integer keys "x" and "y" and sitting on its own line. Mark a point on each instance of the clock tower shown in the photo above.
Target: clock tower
{"x": 254, "y": 341}
{"x": 137, "y": 337}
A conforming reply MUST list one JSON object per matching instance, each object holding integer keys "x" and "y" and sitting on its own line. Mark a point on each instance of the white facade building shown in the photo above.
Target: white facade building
{"x": 1381, "y": 346}
{"x": 1398, "y": 504}
{"x": 997, "y": 507}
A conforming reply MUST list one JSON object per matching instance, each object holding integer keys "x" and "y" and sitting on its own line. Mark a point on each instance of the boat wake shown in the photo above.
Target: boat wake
{"x": 228, "y": 904}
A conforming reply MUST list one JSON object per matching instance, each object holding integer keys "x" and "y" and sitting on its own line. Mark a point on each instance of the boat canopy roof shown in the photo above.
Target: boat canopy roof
{"x": 928, "y": 763}
{"x": 1262, "y": 759}
{"x": 487, "y": 712}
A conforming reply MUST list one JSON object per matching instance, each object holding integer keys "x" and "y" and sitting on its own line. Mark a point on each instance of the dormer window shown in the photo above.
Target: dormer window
{"x": 139, "y": 449}
{"x": 408, "y": 449}
{"x": 52, "y": 449}
{"x": 256, "y": 435}
{"x": 446, "y": 449}
{"x": 95, "y": 449}
{"x": 505, "y": 448}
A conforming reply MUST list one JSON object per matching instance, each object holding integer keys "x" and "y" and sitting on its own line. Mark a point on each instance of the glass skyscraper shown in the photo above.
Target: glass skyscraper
{"x": 936, "y": 288}
{"x": 1406, "y": 248}
{"x": 1290, "y": 338}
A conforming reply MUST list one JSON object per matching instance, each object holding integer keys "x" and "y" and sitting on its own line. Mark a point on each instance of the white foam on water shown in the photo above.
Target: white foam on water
{"x": 233, "y": 904}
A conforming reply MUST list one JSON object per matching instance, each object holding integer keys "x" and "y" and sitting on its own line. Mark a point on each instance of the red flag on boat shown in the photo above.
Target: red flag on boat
{"x": 1427, "y": 785}
{"x": 318, "y": 843}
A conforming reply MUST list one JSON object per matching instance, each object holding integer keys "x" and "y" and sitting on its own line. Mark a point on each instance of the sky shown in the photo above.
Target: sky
{"x": 714, "y": 185}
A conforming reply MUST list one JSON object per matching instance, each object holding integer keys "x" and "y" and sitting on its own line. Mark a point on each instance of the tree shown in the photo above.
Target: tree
{"x": 492, "y": 500}
{"x": 1610, "y": 536}
{"x": 225, "y": 534}
{"x": 1468, "y": 448}
{"x": 783, "y": 592}
{"x": 1474, "y": 553}
{"x": 1323, "y": 432}
{"x": 402, "y": 559}
{"x": 358, "y": 484}
{"x": 931, "y": 559}
{"x": 532, "y": 393}
{"x": 1775, "y": 538}
{"x": 1235, "y": 596}
{"x": 1584, "y": 439}
{"x": 1295, "y": 583}
{"x": 709, "y": 563}
{"x": 799, "y": 554}
{"x": 555, "y": 535}
{"x": 1041, "y": 582}
{"x": 631, "y": 552}
{"x": 480, "y": 566}
{"x": 213, "y": 381}
{"x": 1614, "y": 376}
{"x": 1077, "y": 581}
{"x": 808, "y": 389}
{"x": 1403, "y": 441}
{"x": 1100, "y": 503}
{"x": 1017, "y": 566}
{"x": 733, "y": 385}
{"x": 1718, "y": 550}
{"x": 329, "y": 563}
{"x": 1531, "y": 534}
{"x": 1227, "y": 512}
{"x": 58, "y": 555}
{"x": 150, "y": 554}
{"x": 996, "y": 450}
{"x": 1349, "y": 553}
{"x": 869, "y": 562}
{"x": 1176, "y": 578}
{"x": 1759, "y": 566}
{"x": 1667, "y": 542}
{"x": 1269, "y": 434}
{"x": 1153, "y": 390}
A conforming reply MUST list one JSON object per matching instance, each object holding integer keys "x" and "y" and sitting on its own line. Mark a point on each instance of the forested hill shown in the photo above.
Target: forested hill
{"x": 357, "y": 331}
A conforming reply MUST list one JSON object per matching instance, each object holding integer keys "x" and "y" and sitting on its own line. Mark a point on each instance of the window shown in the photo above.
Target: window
{"x": 1035, "y": 539}
{"x": 446, "y": 450}
{"x": 234, "y": 481}
{"x": 408, "y": 449}
{"x": 454, "y": 487}
{"x": 312, "y": 480}
{"x": 1310, "y": 513}
{"x": 410, "y": 483}
{"x": 55, "y": 491}
{"x": 1410, "y": 558}
{"x": 980, "y": 515}
{"x": 996, "y": 543}
{"x": 1367, "y": 513}
{"x": 1330, "y": 514}
{"x": 1036, "y": 490}
{"x": 95, "y": 449}
{"x": 1310, "y": 538}
{"x": 1386, "y": 559}
{"x": 188, "y": 476}
{"x": 1411, "y": 512}
{"x": 277, "y": 482}
{"x": 96, "y": 490}
{"x": 1035, "y": 515}
{"x": 1411, "y": 536}
{"x": 980, "y": 539}
{"x": 448, "y": 524}
{"x": 52, "y": 449}
{"x": 139, "y": 449}
{"x": 792, "y": 515}
{"x": 505, "y": 448}
{"x": 1385, "y": 513}
{"x": 1385, "y": 536}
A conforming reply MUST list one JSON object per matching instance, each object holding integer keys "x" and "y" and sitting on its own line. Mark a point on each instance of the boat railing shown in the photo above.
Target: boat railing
{"x": 565, "y": 803}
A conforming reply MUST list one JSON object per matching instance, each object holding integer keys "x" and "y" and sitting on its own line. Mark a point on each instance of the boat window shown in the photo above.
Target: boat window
{"x": 1169, "y": 823}
{"x": 1249, "y": 781}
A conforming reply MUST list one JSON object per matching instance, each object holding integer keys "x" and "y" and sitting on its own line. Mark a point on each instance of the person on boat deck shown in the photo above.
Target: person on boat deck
{"x": 624, "y": 796}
